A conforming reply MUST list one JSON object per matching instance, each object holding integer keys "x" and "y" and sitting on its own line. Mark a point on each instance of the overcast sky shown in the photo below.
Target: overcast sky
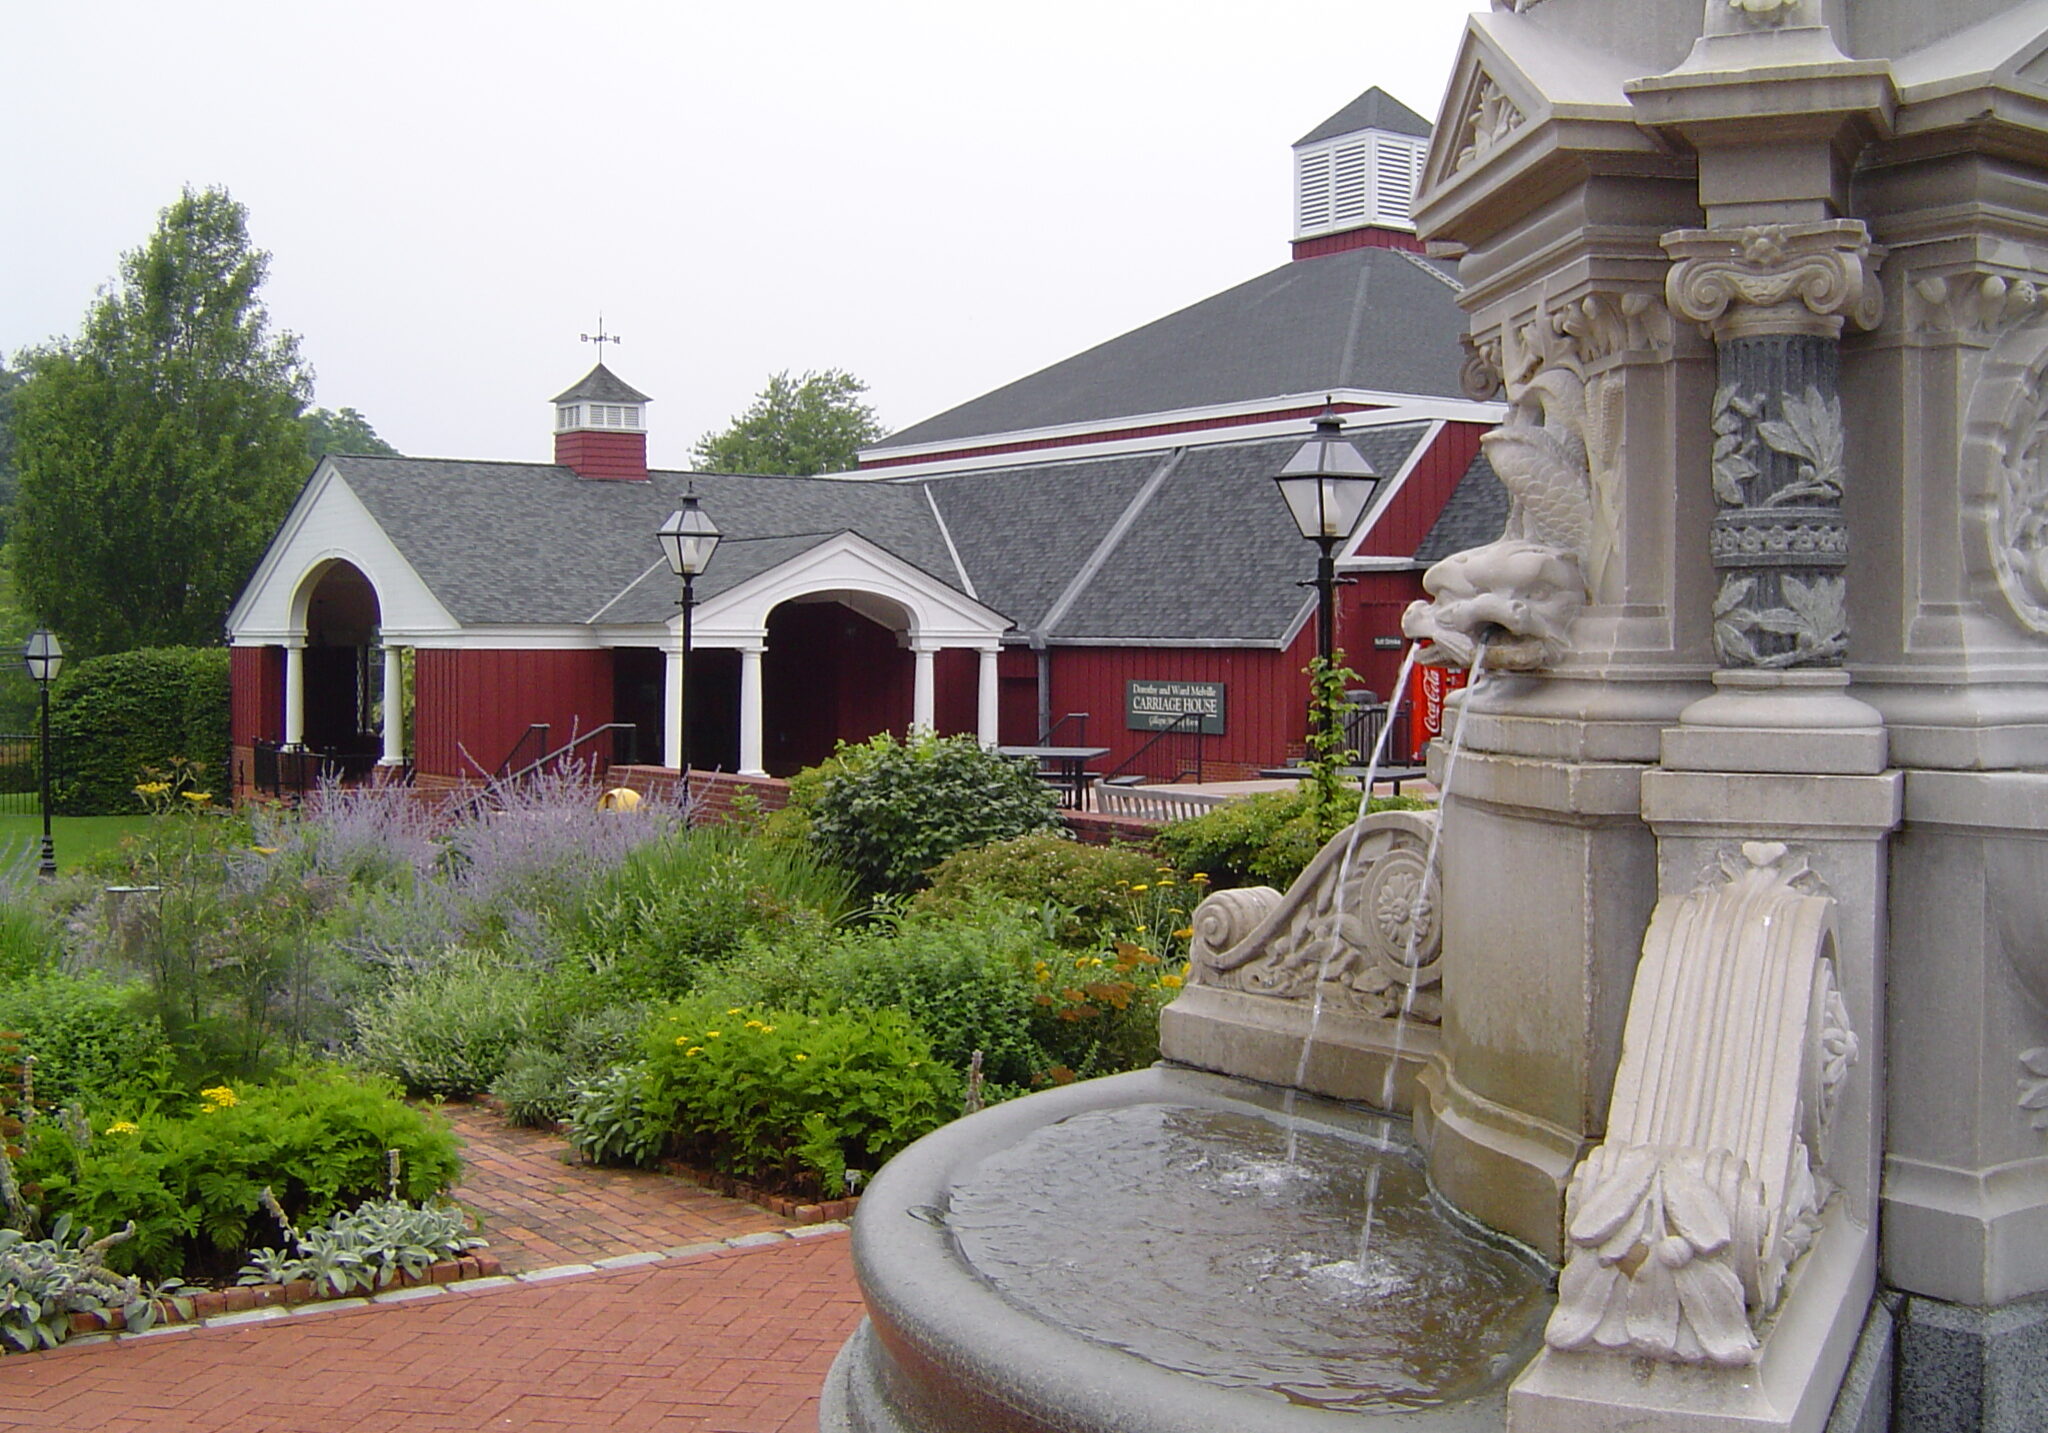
{"x": 940, "y": 197}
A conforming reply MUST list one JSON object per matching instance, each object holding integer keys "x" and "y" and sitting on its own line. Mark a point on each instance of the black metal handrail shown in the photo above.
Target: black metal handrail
{"x": 1078, "y": 737}
{"x": 567, "y": 750}
{"x": 1179, "y": 743}
{"x": 523, "y": 757}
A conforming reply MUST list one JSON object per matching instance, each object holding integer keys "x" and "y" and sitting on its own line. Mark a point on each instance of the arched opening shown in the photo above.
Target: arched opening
{"x": 344, "y": 678}
{"x": 835, "y": 670}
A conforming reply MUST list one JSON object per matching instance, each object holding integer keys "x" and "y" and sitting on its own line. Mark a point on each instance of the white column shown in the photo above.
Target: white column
{"x": 672, "y": 708}
{"x": 295, "y": 692}
{"x": 751, "y": 744}
{"x": 924, "y": 706}
{"x": 394, "y": 707}
{"x": 987, "y": 710}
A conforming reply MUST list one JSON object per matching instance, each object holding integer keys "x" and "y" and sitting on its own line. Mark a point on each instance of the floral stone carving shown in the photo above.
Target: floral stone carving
{"x": 1360, "y": 928}
{"x": 1681, "y": 1228}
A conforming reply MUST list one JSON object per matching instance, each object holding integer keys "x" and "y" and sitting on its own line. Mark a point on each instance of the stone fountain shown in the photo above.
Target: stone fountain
{"x": 1726, "y": 997}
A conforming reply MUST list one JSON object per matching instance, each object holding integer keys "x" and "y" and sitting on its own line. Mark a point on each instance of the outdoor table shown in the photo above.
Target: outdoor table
{"x": 1390, "y": 775}
{"x": 1065, "y": 766}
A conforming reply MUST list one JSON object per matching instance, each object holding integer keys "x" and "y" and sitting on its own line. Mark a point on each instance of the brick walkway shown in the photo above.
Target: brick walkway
{"x": 708, "y": 1339}
{"x": 735, "y": 1342}
{"x": 539, "y": 1208}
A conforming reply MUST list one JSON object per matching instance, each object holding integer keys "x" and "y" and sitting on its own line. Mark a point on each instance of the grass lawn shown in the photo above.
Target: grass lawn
{"x": 76, "y": 837}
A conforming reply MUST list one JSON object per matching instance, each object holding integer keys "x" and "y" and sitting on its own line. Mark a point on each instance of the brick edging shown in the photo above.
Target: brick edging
{"x": 241, "y": 1298}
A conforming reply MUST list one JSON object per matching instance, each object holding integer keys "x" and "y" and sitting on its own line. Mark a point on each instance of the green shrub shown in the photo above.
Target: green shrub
{"x": 126, "y": 711}
{"x": 793, "y": 1100}
{"x": 92, "y": 1039}
{"x": 684, "y": 903}
{"x": 538, "y": 1085}
{"x": 28, "y": 940}
{"x": 1080, "y": 891}
{"x": 1262, "y": 840}
{"x": 449, "y": 1029}
{"x": 43, "y": 1282}
{"x": 902, "y": 809}
{"x": 367, "y": 1248}
{"x": 193, "y": 1179}
{"x": 609, "y": 1121}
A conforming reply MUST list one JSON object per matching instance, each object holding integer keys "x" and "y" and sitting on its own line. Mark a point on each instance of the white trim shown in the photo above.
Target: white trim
{"x": 329, "y": 523}
{"x": 933, "y": 612}
{"x": 1387, "y": 408}
{"x": 1380, "y": 564}
{"x": 1391, "y": 489}
{"x": 945, "y": 532}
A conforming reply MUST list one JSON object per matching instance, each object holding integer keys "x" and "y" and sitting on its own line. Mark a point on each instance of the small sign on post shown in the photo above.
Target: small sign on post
{"x": 1154, "y": 706}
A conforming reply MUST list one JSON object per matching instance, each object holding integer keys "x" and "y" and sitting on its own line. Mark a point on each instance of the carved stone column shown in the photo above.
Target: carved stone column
{"x": 1776, "y": 298}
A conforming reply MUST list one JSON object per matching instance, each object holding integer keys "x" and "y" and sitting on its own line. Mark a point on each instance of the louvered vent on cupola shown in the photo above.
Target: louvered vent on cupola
{"x": 1359, "y": 170}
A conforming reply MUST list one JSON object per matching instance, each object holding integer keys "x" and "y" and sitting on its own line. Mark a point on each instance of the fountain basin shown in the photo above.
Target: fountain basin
{"x": 1141, "y": 1253}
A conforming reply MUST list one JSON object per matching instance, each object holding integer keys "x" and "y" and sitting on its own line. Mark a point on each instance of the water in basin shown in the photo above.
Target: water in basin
{"x": 1185, "y": 1235}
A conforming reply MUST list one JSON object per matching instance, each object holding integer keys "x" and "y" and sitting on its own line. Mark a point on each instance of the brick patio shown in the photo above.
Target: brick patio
{"x": 717, "y": 1340}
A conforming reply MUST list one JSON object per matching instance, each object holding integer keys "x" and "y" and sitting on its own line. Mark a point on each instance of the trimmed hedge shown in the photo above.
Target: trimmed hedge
{"x": 129, "y": 710}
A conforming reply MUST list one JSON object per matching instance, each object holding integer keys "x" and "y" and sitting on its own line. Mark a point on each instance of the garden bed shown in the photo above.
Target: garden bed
{"x": 212, "y": 1303}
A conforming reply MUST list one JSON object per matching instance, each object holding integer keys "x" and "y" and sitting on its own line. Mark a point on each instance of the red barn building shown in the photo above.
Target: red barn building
{"x": 1086, "y": 539}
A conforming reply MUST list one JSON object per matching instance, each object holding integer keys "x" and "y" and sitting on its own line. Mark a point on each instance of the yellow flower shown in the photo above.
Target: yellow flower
{"x": 1171, "y": 982}
{"x": 693, "y": 1050}
{"x": 220, "y": 1097}
{"x": 153, "y": 788}
{"x": 734, "y": 1011}
{"x": 1163, "y": 881}
{"x": 711, "y": 1034}
{"x": 1186, "y": 932}
{"x": 752, "y": 1024}
{"x": 197, "y": 798}
{"x": 767, "y": 1029}
{"x": 682, "y": 1039}
{"x": 802, "y": 1056}
{"x": 1141, "y": 887}
{"x": 122, "y": 1127}
{"x": 1200, "y": 878}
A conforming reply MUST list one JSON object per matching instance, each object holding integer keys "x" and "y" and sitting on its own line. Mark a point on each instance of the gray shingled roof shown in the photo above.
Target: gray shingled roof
{"x": 601, "y": 385}
{"x": 1366, "y": 318}
{"x": 1211, "y": 557}
{"x": 1214, "y": 556}
{"x": 1375, "y": 109}
{"x": 532, "y": 543}
{"x": 1476, "y": 514}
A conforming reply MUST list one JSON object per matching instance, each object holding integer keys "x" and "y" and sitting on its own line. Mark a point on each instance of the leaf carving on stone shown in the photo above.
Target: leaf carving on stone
{"x": 1733, "y": 467}
{"x": 1810, "y": 430}
{"x": 2034, "y": 1085}
{"x": 1651, "y": 1267}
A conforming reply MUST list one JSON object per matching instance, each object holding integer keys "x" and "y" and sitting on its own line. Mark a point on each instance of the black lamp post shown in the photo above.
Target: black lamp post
{"x": 1327, "y": 485}
{"x": 42, "y": 656}
{"x": 687, "y": 538}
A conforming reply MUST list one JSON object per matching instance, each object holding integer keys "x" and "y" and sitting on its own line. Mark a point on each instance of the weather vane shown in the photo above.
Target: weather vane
{"x": 601, "y": 338}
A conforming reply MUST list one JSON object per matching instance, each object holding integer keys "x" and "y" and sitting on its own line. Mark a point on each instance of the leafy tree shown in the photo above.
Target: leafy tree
{"x": 343, "y": 431}
{"x": 9, "y": 382}
{"x": 159, "y": 450}
{"x": 813, "y": 424}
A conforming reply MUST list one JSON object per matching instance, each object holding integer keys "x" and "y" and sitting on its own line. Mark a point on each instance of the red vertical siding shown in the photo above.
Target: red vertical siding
{"x": 957, "y": 681}
{"x": 1414, "y": 510}
{"x": 256, "y": 694}
{"x": 472, "y": 707}
{"x": 1265, "y": 695}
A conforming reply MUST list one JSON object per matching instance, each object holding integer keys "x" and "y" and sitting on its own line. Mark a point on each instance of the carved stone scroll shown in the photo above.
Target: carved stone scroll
{"x": 1361, "y": 927}
{"x": 1489, "y": 118}
{"x": 1681, "y": 1228}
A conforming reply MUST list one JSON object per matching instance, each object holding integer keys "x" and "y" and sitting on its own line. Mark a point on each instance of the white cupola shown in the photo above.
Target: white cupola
{"x": 1355, "y": 176}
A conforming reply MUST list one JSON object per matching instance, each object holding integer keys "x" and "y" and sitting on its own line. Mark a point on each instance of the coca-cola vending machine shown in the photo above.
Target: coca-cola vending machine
{"x": 1427, "y": 689}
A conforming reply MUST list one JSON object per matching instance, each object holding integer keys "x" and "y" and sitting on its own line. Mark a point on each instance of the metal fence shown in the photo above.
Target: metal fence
{"x": 21, "y": 771}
